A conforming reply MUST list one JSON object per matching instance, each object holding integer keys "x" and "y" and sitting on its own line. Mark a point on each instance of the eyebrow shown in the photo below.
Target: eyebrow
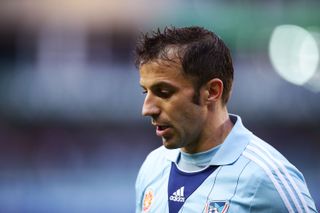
{"x": 161, "y": 84}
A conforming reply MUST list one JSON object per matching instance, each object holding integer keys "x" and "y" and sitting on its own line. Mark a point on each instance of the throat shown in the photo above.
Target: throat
{"x": 195, "y": 162}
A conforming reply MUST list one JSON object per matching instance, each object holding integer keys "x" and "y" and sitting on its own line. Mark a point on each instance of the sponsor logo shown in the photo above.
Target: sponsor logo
{"x": 147, "y": 200}
{"x": 217, "y": 207}
{"x": 178, "y": 196}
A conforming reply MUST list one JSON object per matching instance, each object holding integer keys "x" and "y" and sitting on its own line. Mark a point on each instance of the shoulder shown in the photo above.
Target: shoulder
{"x": 156, "y": 162}
{"x": 278, "y": 184}
{"x": 157, "y": 156}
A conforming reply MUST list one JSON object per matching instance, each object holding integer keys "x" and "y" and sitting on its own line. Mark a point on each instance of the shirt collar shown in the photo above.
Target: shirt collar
{"x": 230, "y": 150}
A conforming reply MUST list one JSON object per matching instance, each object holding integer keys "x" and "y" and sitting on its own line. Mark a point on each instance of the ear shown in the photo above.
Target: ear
{"x": 214, "y": 90}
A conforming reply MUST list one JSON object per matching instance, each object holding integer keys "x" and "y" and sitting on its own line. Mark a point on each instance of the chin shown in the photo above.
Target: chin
{"x": 170, "y": 144}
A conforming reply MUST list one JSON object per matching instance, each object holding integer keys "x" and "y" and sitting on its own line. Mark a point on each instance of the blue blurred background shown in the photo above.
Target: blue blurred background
{"x": 71, "y": 134}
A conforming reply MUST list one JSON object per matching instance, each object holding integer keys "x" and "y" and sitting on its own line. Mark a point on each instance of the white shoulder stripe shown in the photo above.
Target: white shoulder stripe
{"x": 285, "y": 171}
{"x": 269, "y": 173}
{"x": 282, "y": 179}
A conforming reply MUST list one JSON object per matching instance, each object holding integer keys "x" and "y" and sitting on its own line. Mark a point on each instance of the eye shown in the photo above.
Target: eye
{"x": 144, "y": 92}
{"x": 163, "y": 93}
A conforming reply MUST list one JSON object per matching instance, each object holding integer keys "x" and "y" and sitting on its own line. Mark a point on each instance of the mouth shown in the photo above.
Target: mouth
{"x": 162, "y": 130}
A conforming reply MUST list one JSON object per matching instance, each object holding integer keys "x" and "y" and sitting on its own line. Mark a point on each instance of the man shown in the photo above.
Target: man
{"x": 209, "y": 161}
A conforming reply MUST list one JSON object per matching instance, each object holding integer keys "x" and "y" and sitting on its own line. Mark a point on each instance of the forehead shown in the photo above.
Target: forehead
{"x": 163, "y": 71}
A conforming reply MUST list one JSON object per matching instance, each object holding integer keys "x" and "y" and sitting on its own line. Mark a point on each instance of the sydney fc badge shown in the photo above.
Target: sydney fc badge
{"x": 217, "y": 207}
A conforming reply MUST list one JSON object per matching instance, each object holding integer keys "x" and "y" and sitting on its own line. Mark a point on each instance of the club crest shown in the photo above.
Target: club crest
{"x": 217, "y": 207}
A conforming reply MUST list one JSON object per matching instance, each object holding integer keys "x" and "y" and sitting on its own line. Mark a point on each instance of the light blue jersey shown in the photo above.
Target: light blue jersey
{"x": 245, "y": 175}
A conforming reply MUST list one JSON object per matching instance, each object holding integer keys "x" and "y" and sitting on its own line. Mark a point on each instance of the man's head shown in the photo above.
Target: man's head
{"x": 201, "y": 54}
{"x": 186, "y": 75}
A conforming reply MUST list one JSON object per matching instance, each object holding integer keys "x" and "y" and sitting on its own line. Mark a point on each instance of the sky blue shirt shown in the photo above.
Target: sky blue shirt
{"x": 249, "y": 176}
{"x": 193, "y": 162}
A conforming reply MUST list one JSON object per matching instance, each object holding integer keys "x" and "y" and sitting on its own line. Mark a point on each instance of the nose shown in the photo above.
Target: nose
{"x": 150, "y": 107}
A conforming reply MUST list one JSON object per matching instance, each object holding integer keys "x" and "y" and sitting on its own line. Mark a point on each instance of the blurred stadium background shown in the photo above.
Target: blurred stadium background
{"x": 71, "y": 135}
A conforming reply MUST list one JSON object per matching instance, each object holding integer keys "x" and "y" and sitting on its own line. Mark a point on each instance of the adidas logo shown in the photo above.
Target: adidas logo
{"x": 178, "y": 196}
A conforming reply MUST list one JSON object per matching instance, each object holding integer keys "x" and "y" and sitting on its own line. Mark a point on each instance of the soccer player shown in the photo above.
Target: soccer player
{"x": 209, "y": 161}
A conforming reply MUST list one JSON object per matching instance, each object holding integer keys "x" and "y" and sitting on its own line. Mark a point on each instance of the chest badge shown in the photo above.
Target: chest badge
{"x": 147, "y": 200}
{"x": 217, "y": 207}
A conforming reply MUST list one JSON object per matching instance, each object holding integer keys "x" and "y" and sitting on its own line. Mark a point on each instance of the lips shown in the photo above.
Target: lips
{"x": 162, "y": 130}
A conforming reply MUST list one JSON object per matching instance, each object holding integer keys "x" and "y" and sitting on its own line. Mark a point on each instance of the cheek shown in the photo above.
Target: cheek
{"x": 183, "y": 113}
{"x": 189, "y": 118}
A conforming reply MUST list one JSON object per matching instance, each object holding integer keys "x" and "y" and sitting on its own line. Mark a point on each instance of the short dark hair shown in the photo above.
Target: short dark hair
{"x": 203, "y": 55}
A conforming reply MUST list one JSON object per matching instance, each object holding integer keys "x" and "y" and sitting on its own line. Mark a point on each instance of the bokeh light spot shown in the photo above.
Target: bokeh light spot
{"x": 294, "y": 53}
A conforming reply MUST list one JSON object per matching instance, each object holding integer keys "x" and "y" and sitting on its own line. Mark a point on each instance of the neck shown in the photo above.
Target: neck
{"x": 216, "y": 130}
